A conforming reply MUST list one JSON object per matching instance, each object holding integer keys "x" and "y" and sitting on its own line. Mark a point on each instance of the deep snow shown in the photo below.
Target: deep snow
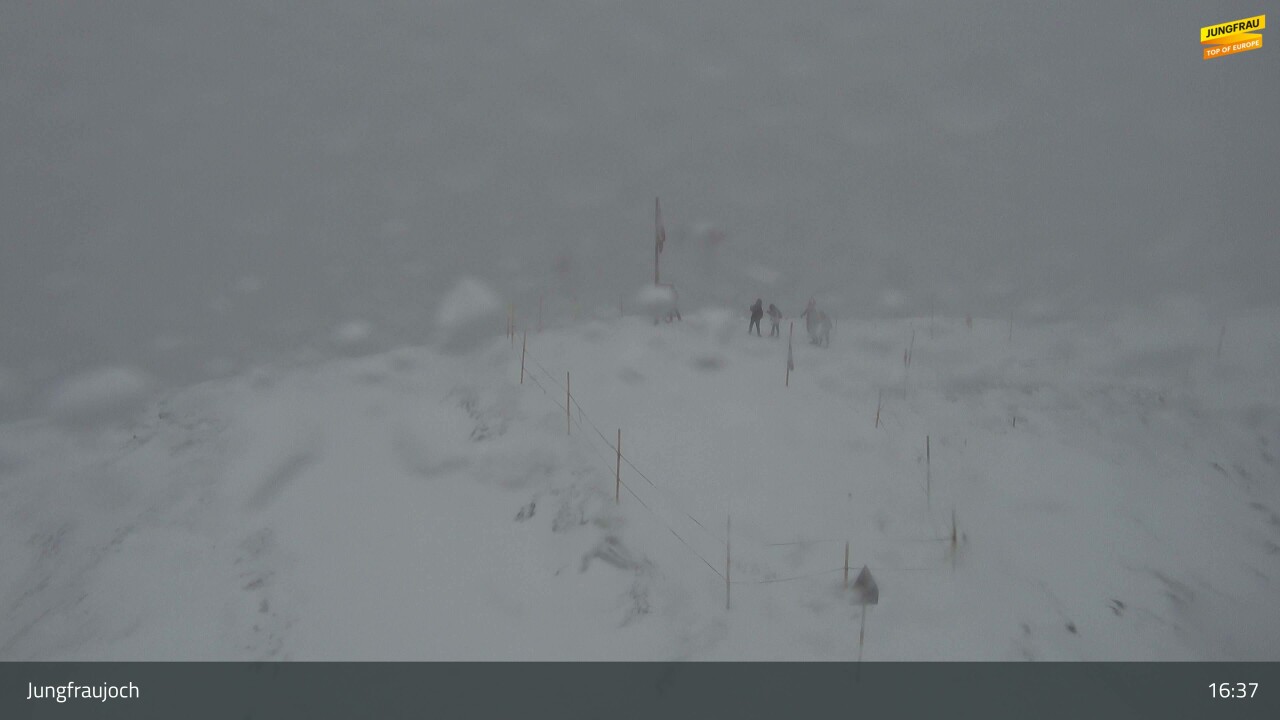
{"x": 1114, "y": 485}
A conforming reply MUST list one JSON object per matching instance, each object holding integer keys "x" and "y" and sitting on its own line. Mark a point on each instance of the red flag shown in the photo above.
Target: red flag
{"x": 661, "y": 238}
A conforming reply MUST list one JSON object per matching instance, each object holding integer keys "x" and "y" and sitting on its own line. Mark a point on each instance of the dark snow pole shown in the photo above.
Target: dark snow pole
{"x": 524, "y": 345}
{"x": 568, "y": 400}
{"x": 660, "y": 238}
{"x": 617, "y": 487}
{"x": 728, "y": 548}
{"x": 866, "y": 592}
{"x": 928, "y": 475}
{"x": 846, "y": 565}
{"x": 1221, "y": 335}
{"x": 862, "y": 633}
{"x": 879, "y": 398}
{"x": 954, "y": 543}
{"x": 790, "y": 358}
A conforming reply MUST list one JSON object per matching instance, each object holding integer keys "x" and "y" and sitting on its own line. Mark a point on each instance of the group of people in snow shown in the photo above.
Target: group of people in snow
{"x": 757, "y": 312}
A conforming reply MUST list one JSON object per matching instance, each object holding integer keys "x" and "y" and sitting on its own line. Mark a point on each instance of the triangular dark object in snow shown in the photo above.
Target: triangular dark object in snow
{"x": 865, "y": 590}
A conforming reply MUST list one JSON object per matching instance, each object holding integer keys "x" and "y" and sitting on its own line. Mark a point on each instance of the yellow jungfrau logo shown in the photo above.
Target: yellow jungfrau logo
{"x": 1232, "y": 37}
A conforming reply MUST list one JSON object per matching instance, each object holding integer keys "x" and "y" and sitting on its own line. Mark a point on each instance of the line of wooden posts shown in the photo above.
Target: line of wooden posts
{"x": 866, "y": 590}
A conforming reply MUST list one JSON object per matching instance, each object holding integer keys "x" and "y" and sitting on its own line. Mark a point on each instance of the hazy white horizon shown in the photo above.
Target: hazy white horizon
{"x": 187, "y": 187}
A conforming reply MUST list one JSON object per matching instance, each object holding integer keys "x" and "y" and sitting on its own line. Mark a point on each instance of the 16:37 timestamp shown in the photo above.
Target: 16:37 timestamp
{"x": 1233, "y": 690}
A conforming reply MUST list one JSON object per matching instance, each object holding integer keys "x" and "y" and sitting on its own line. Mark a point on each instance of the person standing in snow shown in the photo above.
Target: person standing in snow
{"x": 775, "y": 317}
{"x": 757, "y": 312}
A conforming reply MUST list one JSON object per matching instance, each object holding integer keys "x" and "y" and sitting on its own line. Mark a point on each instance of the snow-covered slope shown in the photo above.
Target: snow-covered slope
{"x": 1114, "y": 487}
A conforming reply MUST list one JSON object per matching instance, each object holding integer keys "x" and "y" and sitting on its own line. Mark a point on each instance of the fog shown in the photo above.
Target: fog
{"x": 192, "y": 187}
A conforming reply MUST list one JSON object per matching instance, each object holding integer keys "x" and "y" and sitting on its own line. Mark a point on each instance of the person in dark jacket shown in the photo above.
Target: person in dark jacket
{"x": 757, "y": 312}
{"x": 775, "y": 317}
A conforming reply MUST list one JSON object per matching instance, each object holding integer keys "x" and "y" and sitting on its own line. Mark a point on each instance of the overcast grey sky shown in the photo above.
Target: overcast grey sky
{"x": 188, "y": 186}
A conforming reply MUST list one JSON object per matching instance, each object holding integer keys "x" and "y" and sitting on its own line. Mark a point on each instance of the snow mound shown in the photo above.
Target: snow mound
{"x": 469, "y": 302}
{"x": 1084, "y": 492}
{"x": 721, "y": 323}
{"x": 655, "y": 295}
{"x": 468, "y": 315}
{"x": 656, "y": 299}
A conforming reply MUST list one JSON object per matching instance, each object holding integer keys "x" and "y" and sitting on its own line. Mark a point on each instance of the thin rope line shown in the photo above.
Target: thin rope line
{"x": 534, "y": 378}
{"x": 833, "y": 540}
{"x": 673, "y": 532}
{"x": 786, "y": 579}
{"x": 584, "y": 415}
{"x": 544, "y": 370}
{"x": 639, "y": 499}
{"x": 881, "y": 570}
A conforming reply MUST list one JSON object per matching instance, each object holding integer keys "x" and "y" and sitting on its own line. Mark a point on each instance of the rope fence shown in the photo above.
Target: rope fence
{"x": 583, "y": 415}
{"x": 670, "y": 494}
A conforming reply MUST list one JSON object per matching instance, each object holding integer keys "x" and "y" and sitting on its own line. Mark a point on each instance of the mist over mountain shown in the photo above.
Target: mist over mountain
{"x": 187, "y": 188}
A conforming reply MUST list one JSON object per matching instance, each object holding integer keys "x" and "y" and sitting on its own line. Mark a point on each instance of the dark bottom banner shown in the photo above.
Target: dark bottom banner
{"x": 639, "y": 690}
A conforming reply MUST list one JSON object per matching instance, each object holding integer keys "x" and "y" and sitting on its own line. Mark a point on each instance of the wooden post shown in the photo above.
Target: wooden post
{"x": 846, "y": 565}
{"x": 617, "y": 487}
{"x": 524, "y": 345}
{"x": 790, "y": 334}
{"x": 879, "y": 398}
{"x": 656, "y": 251}
{"x": 862, "y": 631}
{"x": 660, "y": 236}
{"x": 953, "y": 538}
{"x": 728, "y": 544}
{"x": 568, "y": 400}
{"x": 867, "y": 593}
{"x": 928, "y": 475}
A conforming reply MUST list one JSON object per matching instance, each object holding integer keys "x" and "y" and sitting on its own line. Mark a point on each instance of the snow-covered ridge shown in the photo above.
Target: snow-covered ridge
{"x": 1115, "y": 493}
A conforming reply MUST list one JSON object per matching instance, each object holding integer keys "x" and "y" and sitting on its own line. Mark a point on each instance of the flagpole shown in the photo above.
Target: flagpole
{"x": 659, "y": 232}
